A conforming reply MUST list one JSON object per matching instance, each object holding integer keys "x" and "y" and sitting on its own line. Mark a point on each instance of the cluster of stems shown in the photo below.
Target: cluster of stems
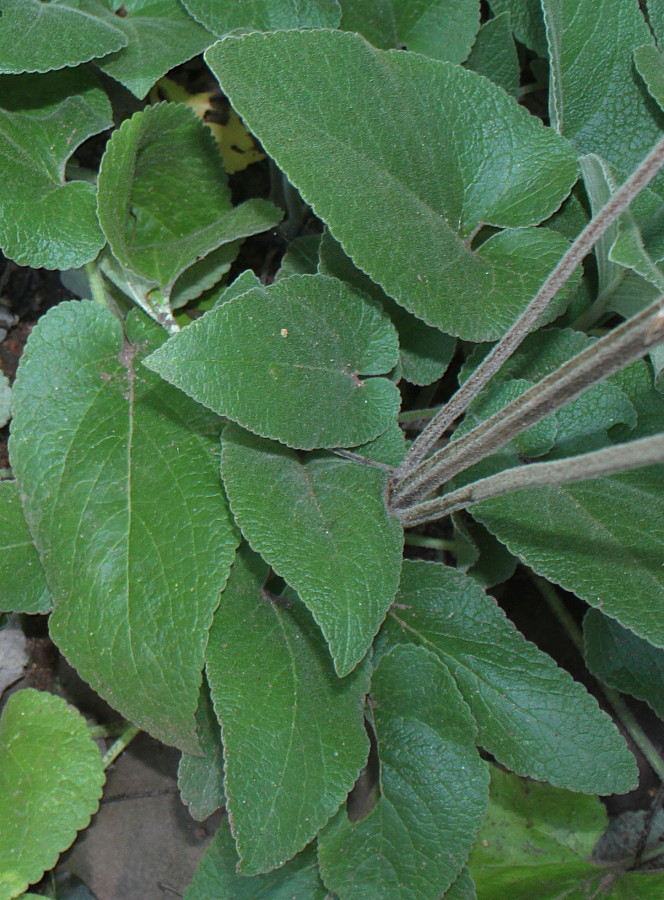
{"x": 421, "y": 474}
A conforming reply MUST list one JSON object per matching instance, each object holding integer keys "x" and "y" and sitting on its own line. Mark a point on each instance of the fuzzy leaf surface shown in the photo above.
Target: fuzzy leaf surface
{"x": 159, "y": 35}
{"x": 424, "y": 352}
{"x": 650, "y": 66}
{"x": 51, "y": 779}
{"x": 596, "y": 100}
{"x": 217, "y": 878}
{"x": 22, "y": 585}
{"x": 538, "y": 841}
{"x": 494, "y": 54}
{"x": 159, "y": 216}
{"x": 44, "y": 219}
{"x": 442, "y": 29}
{"x": 293, "y": 362}
{"x": 463, "y": 888}
{"x": 230, "y": 16}
{"x": 433, "y": 789}
{"x": 201, "y": 778}
{"x": 322, "y": 524}
{"x": 366, "y": 171}
{"x": 38, "y": 37}
{"x": 293, "y": 732}
{"x": 624, "y": 661}
{"x": 526, "y": 20}
{"x": 531, "y": 715}
{"x": 118, "y": 473}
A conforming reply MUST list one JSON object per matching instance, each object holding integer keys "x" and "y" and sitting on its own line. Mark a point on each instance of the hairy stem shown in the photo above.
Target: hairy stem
{"x": 623, "y": 712}
{"x": 585, "y": 241}
{"x": 619, "y": 458}
{"x": 119, "y": 745}
{"x": 608, "y": 355}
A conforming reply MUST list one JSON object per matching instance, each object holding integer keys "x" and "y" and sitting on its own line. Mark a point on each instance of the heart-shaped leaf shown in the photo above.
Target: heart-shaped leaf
{"x": 119, "y": 476}
{"x": 293, "y": 732}
{"x": 51, "y": 778}
{"x": 46, "y": 220}
{"x": 387, "y": 194}
{"x": 433, "y": 789}
{"x": 292, "y": 362}
{"x": 321, "y": 522}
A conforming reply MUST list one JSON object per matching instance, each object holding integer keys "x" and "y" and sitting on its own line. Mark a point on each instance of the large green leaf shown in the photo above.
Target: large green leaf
{"x": 463, "y": 888}
{"x": 623, "y": 660}
{"x": 22, "y": 585}
{"x": 201, "y": 778}
{"x": 37, "y": 37}
{"x": 46, "y": 220}
{"x": 217, "y": 878}
{"x": 596, "y": 100}
{"x": 292, "y": 362}
{"x": 656, "y": 19}
{"x": 538, "y": 841}
{"x": 424, "y": 352}
{"x": 443, "y": 29}
{"x": 51, "y": 778}
{"x": 406, "y": 209}
{"x": 321, "y": 522}
{"x": 531, "y": 715}
{"x": 118, "y": 474}
{"x": 161, "y": 216}
{"x": 293, "y": 732}
{"x": 413, "y": 844}
{"x": 226, "y": 16}
{"x": 159, "y": 34}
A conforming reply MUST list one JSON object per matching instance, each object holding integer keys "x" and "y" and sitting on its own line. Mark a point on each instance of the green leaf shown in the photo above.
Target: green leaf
{"x": 301, "y": 258}
{"x": 22, "y": 585}
{"x": 158, "y": 226}
{"x": 51, "y": 779}
{"x": 593, "y": 539}
{"x": 623, "y": 660}
{"x": 595, "y": 99}
{"x": 443, "y": 29}
{"x": 433, "y": 789}
{"x": 463, "y": 888}
{"x": 159, "y": 35}
{"x": 656, "y": 19}
{"x": 204, "y": 275}
{"x": 531, "y": 715}
{"x": 44, "y": 219}
{"x": 494, "y": 54}
{"x": 526, "y": 20}
{"x": 37, "y": 37}
{"x": 424, "y": 352}
{"x": 5, "y": 399}
{"x": 217, "y": 879}
{"x": 293, "y": 732}
{"x": 326, "y": 530}
{"x": 229, "y": 16}
{"x": 537, "y": 841}
{"x": 119, "y": 477}
{"x": 650, "y": 66}
{"x": 298, "y": 368}
{"x": 201, "y": 778}
{"x": 386, "y": 195}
